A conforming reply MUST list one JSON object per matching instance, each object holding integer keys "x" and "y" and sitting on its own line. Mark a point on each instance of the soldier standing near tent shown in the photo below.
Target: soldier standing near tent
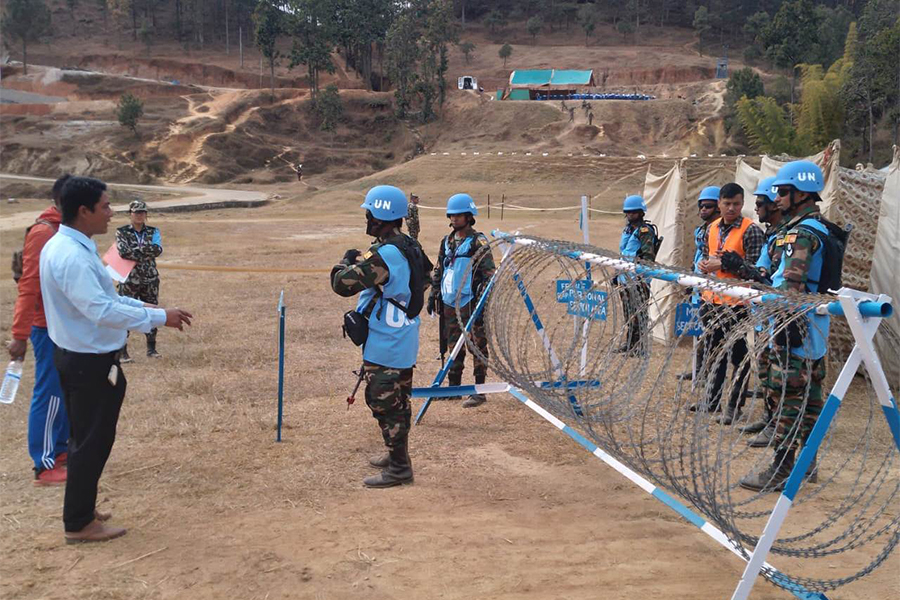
{"x": 640, "y": 241}
{"x": 811, "y": 261}
{"x": 769, "y": 212}
{"x": 464, "y": 267}
{"x": 141, "y": 243}
{"x": 721, "y": 314}
{"x": 708, "y": 209}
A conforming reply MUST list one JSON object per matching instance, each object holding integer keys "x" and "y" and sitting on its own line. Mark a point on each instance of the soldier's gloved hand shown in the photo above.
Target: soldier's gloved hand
{"x": 350, "y": 256}
{"x": 432, "y": 303}
{"x": 732, "y": 262}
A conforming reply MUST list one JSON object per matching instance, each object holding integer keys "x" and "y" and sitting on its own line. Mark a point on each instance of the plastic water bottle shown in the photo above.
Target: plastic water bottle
{"x": 11, "y": 381}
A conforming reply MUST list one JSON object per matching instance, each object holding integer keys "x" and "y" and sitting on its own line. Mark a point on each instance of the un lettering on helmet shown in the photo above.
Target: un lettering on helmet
{"x": 385, "y": 204}
{"x": 806, "y": 176}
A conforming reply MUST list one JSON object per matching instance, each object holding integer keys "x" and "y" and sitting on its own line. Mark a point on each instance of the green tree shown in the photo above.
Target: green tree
{"x": 792, "y": 36}
{"x": 330, "y": 109}
{"x": 872, "y": 88}
{"x": 767, "y": 126}
{"x": 467, "y": 49}
{"x": 821, "y": 114}
{"x": 72, "y": 4}
{"x": 27, "y": 21}
{"x": 587, "y": 18}
{"x": 743, "y": 83}
{"x": 701, "y": 26}
{"x": 269, "y": 22}
{"x": 505, "y": 52}
{"x": 534, "y": 26}
{"x": 625, "y": 28}
{"x": 312, "y": 35}
{"x": 495, "y": 20}
{"x": 833, "y": 26}
{"x": 402, "y": 55}
{"x": 441, "y": 30}
{"x": 129, "y": 110}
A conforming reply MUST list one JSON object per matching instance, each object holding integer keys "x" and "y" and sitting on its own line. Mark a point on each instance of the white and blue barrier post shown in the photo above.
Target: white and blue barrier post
{"x": 863, "y": 329}
{"x": 281, "y": 310}
{"x": 864, "y": 313}
{"x": 442, "y": 374}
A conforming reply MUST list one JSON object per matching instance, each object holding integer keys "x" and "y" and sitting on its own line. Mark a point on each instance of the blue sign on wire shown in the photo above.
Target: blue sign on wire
{"x": 580, "y": 299}
{"x": 687, "y": 320}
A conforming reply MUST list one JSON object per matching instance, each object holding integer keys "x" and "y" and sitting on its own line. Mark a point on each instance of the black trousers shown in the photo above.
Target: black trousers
{"x": 93, "y": 405}
{"x": 718, "y": 322}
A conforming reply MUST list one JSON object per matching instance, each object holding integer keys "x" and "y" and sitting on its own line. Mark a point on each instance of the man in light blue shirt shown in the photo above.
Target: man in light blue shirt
{"x": 88, "y": 321}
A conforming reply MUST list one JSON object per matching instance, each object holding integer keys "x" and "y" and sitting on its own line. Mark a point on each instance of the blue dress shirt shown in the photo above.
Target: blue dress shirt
{"x": 84, "y": 312}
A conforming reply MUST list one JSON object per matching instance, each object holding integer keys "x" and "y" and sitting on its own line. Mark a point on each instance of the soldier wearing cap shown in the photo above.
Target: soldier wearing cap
{"x": 141, "y": 243}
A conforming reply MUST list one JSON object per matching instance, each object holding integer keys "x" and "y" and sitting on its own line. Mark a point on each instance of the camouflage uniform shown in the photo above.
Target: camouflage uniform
{"x": 388, "y": 390}
{"x": 483, "y": 261}
{"x": 143, "y": 281}
{"x": 792, "y": 381}
{"x": 412, "y": 221}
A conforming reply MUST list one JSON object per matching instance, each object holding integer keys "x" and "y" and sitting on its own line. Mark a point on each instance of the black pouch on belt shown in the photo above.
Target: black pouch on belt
{"x": 356, "y": 324}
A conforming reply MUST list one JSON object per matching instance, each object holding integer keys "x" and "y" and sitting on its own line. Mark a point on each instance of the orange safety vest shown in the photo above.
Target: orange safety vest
{"x": 733, "y": 242}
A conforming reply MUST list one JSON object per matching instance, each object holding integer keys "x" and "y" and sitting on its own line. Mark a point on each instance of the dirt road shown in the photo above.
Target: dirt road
{"x": 195, "y": 196}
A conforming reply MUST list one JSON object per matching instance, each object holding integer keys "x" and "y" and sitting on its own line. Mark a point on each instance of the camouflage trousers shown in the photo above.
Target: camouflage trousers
{"x": 387, "y": 395}
{"x": 145, "y": 292}
{"x": 794, "y": 384}
{"x": 452, "y": 332}
{"x": 635, "y": 296}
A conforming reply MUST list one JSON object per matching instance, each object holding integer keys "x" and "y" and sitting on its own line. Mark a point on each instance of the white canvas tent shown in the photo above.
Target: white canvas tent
{"x": 885, "y": 275}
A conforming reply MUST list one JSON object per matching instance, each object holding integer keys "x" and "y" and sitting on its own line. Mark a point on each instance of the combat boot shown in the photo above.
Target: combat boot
{"x": 731, "y": 415}
{"x": 764, "y": 438}
{"x": 474, "y": 400}
{"x": 757, "y": 426}
{"x": 151, "y": 345}
{"x": 773, "y": 477}
{"x": 452, "y": 381}
{"x": 123, "y": 356}
{"x": 380, "y": 462}
{"x": 398, "y": 472}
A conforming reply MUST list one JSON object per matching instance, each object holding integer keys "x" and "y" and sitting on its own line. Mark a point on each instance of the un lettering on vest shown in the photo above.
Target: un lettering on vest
{"x": 396, "y": 318}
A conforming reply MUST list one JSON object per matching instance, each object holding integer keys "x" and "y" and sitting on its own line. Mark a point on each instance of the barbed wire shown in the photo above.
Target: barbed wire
{"x": 613, "y": 376}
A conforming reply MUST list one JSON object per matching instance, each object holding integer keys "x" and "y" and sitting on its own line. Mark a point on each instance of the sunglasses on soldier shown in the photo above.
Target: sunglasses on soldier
{"x": 785, "y": 190}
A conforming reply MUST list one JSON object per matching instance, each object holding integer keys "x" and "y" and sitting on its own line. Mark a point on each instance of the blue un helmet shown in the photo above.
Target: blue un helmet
{"x": 766, "y": 188}
{"x": 635, "y": 203}
{"x": 710, "y": 192}
{"x": 804, "y": 175}
{"x": 461, "y": 203}
{"x": 386, "y": 203}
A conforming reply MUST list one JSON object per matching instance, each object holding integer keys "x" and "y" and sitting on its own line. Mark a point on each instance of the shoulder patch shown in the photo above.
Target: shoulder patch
{"x": 367, "y": 255}
{"x": 790, "y": 238}
{"x": 779, "y": 242}
{"x": 645, "y": 229}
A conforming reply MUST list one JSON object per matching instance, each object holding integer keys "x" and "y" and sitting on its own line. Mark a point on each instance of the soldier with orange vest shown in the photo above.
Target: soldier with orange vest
{"x": 720, "y": 314}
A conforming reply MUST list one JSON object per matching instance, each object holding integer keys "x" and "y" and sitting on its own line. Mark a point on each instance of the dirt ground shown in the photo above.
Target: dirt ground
{"x": 503, "y": 505}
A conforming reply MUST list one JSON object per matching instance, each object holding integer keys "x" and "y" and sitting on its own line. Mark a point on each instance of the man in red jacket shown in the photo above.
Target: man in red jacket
{"x": 48, "y": 424}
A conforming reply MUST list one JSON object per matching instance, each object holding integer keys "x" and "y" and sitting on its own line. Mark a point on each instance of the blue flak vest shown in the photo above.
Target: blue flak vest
{"x": 629, "y": 246}
{"x": 393, "y": 337}
{"x": 456, "y": 272}
{"x": 698, "y": 256}
{"x": 815, "y": 343}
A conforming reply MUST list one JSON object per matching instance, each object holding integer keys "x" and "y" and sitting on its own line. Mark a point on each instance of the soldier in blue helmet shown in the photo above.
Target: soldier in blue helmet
{"x": 464, "y": 267}
{"x": 708, "y": 209}
{"x": 383, "y": 277}
{"x": 640, "y": 241}
{"x": 810, "y": 263}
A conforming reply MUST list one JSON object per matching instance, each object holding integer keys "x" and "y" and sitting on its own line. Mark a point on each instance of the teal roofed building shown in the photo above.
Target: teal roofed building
{"x": 546, "y": 81}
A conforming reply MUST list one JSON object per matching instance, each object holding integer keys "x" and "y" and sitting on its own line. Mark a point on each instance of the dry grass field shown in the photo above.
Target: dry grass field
{"x": 503, "y": 505}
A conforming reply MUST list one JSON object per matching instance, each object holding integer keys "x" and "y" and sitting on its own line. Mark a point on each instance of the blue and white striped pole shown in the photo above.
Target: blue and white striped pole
{"x": 863, "y": 330}
{"x": 660, "y": 494}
